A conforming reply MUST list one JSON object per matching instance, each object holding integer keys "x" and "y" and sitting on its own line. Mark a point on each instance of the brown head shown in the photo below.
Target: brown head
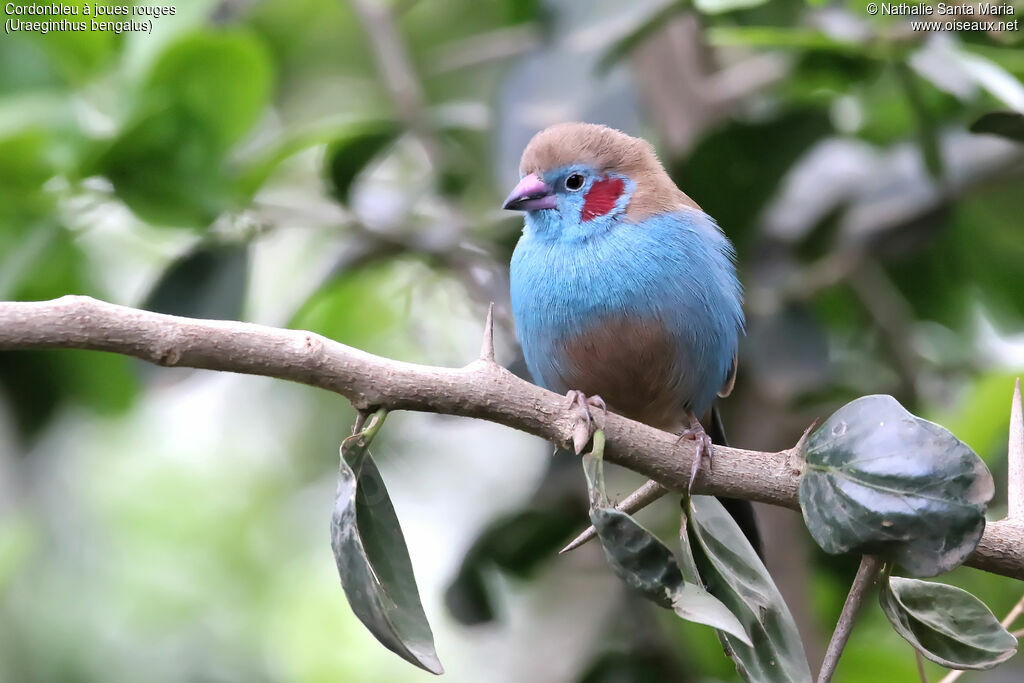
{"x": 601, "y": 165}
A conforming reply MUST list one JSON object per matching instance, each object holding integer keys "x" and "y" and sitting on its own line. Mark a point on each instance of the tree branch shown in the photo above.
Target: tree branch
{"x": 482, "y": 390}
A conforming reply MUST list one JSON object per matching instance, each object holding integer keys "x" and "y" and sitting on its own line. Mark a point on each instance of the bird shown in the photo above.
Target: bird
{"x": 624, "y": 292}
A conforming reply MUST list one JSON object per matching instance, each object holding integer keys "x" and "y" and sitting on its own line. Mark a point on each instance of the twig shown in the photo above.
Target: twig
{"x": 867, "y": 573}
{"x": 891, "y": 313}
{"x": 953, "y": 675}
{"x": 920, "y": 667}
{"x": 1013, "y": 614}
{"x": 481, "y": 389}
{"x": 638, "y": 500}
{"x": 397, "y": 72}
{"x": 483, "y": 48}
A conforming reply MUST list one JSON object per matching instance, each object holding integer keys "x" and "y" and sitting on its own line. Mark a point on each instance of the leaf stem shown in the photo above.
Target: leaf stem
{"x": 869, "y": 570}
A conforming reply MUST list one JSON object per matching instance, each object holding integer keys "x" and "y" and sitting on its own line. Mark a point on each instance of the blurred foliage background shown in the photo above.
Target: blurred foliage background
{"x": 338, "y": 166}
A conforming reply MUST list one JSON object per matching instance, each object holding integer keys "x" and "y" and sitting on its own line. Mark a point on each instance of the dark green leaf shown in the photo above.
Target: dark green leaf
{"x": 39, "y": 382}
{"x": 748, "y": 160}
{"x": 207, "y": 282}
{"x": 372, "y": 558}
{"x": 646, "y": 564}
{"x": 946, "y": 624}
{"x": 516, "y": 544}
{"x": 882, "y": 481}
{"x": 468, "y": 597}
{"x": 924, "y": 118}
{"x": 1007, "y": 124}
{"x": 646, "y": 664}
{"x": 638, "y": 558}
{"x": 349, "y": 155}
{"x": 518, "y": 11}
{"x": 717, "y": 554}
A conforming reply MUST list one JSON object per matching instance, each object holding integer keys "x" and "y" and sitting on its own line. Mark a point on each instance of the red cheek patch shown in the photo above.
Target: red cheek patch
{"x": 601, "y": 198}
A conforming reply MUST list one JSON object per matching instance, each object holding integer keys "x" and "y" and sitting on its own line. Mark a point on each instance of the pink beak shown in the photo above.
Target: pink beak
{"x": 530, "y": 194}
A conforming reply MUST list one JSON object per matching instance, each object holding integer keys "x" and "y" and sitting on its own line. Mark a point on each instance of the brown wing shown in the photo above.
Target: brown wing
{"x": 730, "y": 380}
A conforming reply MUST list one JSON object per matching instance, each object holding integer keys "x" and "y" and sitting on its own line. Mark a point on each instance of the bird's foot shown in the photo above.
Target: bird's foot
{"x": 582, "y": 434}
{"x": 695, "y": 432}
{"x": 585, "y": 403}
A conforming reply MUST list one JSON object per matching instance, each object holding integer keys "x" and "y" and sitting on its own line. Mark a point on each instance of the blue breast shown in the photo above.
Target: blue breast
{"x": 672, "y": 276}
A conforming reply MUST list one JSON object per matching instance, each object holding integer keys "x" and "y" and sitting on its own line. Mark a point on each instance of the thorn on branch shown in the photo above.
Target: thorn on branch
{"x": 803, "y": 438}
{"x": 1015, "y": 457}
{"x": 487, "y": 347}
{"x": 634, "y": 502}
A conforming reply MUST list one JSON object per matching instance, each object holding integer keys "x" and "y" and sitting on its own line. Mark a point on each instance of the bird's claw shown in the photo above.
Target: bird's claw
{"x": 695, "y": 432}
{"x": 581, "y": 435}
{"x": 585, "y": 403}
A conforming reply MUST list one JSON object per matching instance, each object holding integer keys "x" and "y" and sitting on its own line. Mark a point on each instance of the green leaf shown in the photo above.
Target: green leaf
{"x": 1007, "y": 124}
{"x": 207, "y": 282}
{"x": 167, "y": 168}
{"x": 718, "y": 555}
{"x": 349, "y": 155}
{"x": 644, "y": 563}
{"x": 78, "y": 55}
{"x": 781, "y": 37}
{"x": 723, "y": 6}
{"x": 354, "y": 305}
{"x": 169, "y": 162}
{"x": 882, "y": 481}
{"x": 221, "y": 79}
{"x": 25, "y": 165}
{"x": 373, "y": 560}
{"x": 946, "y": 624}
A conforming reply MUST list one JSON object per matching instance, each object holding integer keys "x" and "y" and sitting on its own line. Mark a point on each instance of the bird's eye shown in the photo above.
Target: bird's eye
{"x": 574, "y": 183}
